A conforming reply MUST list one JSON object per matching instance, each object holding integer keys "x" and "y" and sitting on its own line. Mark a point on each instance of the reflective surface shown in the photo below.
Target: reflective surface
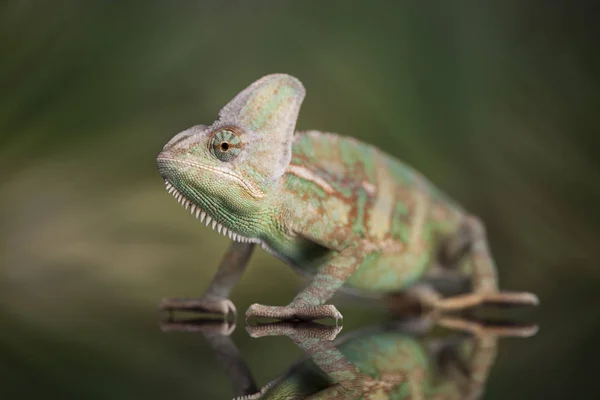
{"x": 399, "y": 359}
{"x": 128, "y": 353}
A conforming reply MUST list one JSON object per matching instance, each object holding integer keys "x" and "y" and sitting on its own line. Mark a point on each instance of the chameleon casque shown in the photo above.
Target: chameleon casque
{"x": 338, "y": 210}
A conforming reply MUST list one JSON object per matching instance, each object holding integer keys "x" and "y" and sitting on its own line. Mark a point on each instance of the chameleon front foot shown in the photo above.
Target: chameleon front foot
{"x": 200, "y": 305}
{"x": 307, "y": 313}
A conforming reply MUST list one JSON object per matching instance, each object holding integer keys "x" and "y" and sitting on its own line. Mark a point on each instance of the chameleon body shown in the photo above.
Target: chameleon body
{"x": 336, "y": 209}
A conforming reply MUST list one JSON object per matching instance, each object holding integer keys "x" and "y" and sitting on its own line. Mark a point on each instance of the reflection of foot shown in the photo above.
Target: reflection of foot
{"x": 297, "y": 330}
{"x": 486, "y": 328}
{"x": 199, "y": 305}
{"x": 223, "y": 328}
{"x": 290, "y": 313}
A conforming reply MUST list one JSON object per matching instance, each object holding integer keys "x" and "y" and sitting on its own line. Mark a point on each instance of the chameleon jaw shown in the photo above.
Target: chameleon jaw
{"x": 260, "y": 393}
{"x": 204, "y": 217}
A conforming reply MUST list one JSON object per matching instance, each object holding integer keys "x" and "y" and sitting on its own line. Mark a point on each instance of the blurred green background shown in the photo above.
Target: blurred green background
{"x": 496, "y": 102}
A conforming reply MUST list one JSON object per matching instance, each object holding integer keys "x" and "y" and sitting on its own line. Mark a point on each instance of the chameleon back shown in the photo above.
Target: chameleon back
{"x": 359, "y": 193}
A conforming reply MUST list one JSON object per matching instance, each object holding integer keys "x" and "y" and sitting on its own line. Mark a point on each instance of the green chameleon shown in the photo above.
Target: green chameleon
{"x": 338, "y": 210}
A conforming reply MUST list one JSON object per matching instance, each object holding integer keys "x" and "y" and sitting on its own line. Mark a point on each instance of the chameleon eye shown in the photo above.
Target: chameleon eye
{"x": 226, "y": 145}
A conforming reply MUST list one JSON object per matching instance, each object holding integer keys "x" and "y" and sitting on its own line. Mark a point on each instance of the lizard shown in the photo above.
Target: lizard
{"x": 338, "y": 210}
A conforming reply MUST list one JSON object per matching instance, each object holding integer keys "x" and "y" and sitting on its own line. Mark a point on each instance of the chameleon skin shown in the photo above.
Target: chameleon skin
{"x": 347, "y": 195}
{"x": 334, "y": 208}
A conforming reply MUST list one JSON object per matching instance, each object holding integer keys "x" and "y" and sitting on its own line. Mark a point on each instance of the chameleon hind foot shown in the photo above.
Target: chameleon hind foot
{"x": 423, "y": 298}
{"x": 508, "y": 299}
{"x": 288, "y": 313}
{"x": 203, "y": 305}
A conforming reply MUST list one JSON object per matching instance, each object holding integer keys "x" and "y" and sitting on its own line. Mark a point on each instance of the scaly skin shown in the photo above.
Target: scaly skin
{"x": 332, "y": 207}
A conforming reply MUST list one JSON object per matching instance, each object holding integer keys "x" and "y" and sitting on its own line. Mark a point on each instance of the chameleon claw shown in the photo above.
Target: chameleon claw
{"x": 230, "y": 309}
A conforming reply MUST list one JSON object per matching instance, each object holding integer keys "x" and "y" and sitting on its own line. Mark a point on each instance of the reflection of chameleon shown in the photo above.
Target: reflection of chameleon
{"x": 334, "y": 208}
{"x": 399, "y": 360}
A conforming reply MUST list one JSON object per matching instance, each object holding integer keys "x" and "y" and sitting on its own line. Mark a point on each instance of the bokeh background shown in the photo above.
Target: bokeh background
{"x": 496, "y": 102}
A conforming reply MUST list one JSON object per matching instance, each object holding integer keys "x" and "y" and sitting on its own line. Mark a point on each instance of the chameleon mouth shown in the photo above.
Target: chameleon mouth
{"x": 260, "y": 393}
{"x": 204, "y": 217}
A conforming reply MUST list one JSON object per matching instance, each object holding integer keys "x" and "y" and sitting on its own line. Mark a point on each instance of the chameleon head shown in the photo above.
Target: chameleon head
{"x": 223, "y": 172}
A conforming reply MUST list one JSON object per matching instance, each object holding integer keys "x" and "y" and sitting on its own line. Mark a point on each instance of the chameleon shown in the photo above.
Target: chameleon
{"x": 397, "y": 359}
{"x": 340, "y": 211}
